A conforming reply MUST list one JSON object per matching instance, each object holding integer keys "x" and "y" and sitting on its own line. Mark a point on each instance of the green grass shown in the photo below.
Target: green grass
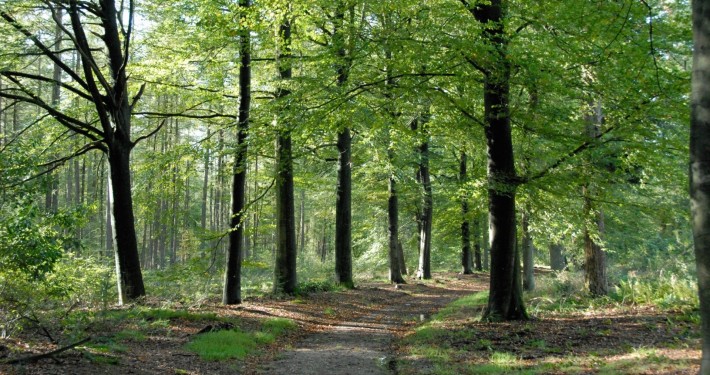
{"x": 237, "y": 344}
{"x": 451, "y": 342}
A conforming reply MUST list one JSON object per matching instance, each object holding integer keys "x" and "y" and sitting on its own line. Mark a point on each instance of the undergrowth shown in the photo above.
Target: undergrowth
{"x": 236, "y": 343}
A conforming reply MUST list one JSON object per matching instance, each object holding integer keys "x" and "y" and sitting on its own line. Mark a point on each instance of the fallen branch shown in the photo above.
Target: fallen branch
{"x": 37, "y": 357}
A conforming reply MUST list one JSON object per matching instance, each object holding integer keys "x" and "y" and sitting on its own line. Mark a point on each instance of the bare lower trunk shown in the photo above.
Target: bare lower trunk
{"x": 528, "y": 255}
{"x": 557, "y": 258}
{"x": 393, "y": 216}
{"x": 594, "y": 256}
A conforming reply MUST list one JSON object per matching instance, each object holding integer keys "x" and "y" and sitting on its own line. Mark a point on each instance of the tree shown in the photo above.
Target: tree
{"x": 343, "y": 213}
{"x": 700, "y": 165}
{"x": 110, "y": 98}
{"x": 285, "y": 265}
{"x": 466, "y": 253}
{"x": 235, "y": 253}
{"x": 426, "y": 212}
{"x": 505, "y": 297}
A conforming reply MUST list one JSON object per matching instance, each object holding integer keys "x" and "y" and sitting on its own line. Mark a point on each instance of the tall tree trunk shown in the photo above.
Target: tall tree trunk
{"x": 393, "y": 217}
{"x": 343, "y": 213}
{"x": 465, "y": 223}
{"x": 557, "y": 258}
{"x": 700, "y": 166}
{"x": 427, "y": 201}
{"x": 302, "y": 223}
{"x": 52, "y": 195}
{"x": 235, "y": 253}
{"x": 594, "y": 256}
{"x": 505, "y": 300}
{"x": 285, "y": 265}
{"x": 528, "y": 255}
{"x": 205, "y": 185}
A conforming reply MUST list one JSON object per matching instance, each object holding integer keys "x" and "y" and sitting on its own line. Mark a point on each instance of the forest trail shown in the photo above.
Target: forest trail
{"x": 363, "y": 342}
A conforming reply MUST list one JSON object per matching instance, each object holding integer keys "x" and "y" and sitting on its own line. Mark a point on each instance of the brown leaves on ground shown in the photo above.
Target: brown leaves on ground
{"x": 556, "y": 343}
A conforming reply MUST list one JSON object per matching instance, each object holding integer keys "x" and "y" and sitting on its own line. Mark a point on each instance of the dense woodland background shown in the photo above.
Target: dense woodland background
{"x": 597, "y": 105}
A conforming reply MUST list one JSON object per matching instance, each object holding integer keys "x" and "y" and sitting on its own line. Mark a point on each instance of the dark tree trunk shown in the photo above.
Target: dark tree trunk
{"x": 125, "y": 231}
{"x": 393, "y": 217}
{"x": 235, "y": 254}
{"x": 557, "y": 258}
{"x": 343, "y": 216}
{"x": 343, "y": 210}
{"x": 426, "y": 213}
{"x": 505, "y": 297}
{"x": 466, "y": 256}
{"x": 700, "y": 166}
{"x": 285, "y": 265}
{"x": 528, "y": 255}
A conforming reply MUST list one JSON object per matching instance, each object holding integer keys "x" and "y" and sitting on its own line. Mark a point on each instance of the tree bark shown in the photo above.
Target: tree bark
{"x": 393, "y": 217}
{"x": 427, "y": 201}
{"x": 466, "y": 258}
{"x": 700, "y": 166}
{"x": 343, "y": 207}
{"x": 594, "y": 257}
{"x": 557, "y": 258}
{"x": 528, "y": 255}
{"x": 235, "y": 254}
{"x": 285, "y": 265}
{"x": 505, "y": 297}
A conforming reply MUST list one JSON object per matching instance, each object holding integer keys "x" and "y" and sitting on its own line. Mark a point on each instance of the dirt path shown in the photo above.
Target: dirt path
{"x": 363, "y": 343}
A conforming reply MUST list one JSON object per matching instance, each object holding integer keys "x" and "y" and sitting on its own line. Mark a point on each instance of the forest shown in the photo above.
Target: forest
{"x": 392, "y": 186}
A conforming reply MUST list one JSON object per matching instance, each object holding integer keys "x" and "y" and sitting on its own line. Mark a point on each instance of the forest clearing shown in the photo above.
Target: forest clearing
{"x": 354, "y": 186}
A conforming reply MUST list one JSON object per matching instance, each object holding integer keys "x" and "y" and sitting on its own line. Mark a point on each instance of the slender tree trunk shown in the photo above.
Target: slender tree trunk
{"x": 285, "y": 265}
{"x": 205, "y": 185}
{"x": 557, "y": 258}
{"x": 235, "y": 254}
{"x": 528, "y": 255}
{"x": 427, "y": 201}
{"x": 700, "y": 166}
{"x": 302, "y": 223}
{"x": 393, "y": 216}
{"x": 52, "y": 196}
{"x": 478, "y": 234}
{"x": 465, "y": 224}
{"x": 505, "y": 297}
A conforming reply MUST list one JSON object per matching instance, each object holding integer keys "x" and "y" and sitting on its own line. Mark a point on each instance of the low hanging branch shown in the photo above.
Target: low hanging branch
{"x": 37, "y": 357}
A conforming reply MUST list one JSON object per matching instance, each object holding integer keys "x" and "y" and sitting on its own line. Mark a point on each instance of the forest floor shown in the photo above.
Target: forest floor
{"x": 374, "y": 329}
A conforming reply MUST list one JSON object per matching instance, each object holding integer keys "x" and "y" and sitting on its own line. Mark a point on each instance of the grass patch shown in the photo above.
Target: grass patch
{"x": 237, "y": 344}
{"x": 465, "y": 307}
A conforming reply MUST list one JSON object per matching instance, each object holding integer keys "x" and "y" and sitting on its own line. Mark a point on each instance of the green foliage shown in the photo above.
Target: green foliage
{"x": 32, "y": 242}
{"x": 237, "y": 344}
{"x": 48, "y": 302}
{"x": 315, "y": 286}
{"x": 663, "y": 290}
